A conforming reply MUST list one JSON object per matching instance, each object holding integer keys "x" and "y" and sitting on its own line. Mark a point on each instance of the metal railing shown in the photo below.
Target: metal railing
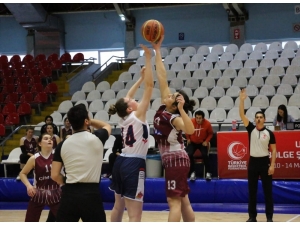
{"x": 86, "y": 61}
{"x": 8, "y": 137}
{"x": 119, "y": 59}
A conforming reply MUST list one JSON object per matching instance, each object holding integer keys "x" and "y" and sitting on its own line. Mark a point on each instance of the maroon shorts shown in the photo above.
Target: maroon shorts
{"x": 176, "y": 180}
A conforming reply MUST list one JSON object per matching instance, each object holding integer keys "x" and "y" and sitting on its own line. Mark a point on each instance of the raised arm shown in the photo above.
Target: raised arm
{"x": 133, "y": 89}
{"x": 98, "y": 124}
{"x": 148, "y": 79}
{"x": 243, "y": 96}
{"x": 183, "y": 122}
{"x": 161, "y": 71}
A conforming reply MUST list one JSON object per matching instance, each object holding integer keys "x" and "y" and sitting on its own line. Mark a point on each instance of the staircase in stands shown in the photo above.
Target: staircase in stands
{"x": 63, "y": 89}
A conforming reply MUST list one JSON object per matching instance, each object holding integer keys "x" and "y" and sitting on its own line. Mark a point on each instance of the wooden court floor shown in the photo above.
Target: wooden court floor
{"x": 162, "y": 216}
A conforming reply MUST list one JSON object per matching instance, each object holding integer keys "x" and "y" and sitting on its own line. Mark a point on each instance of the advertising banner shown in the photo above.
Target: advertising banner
{"x": 234, "y": 153}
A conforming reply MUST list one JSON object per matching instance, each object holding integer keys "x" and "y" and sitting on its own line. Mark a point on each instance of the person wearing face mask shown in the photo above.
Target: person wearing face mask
{"x": 199, "y": 140}
{"x": 261, "y": 140}
{"x": 282, "y": 117}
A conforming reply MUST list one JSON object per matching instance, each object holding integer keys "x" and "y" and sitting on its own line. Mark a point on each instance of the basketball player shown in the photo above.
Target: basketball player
{"x": 128, "y": 175}
{"x": 28, "y": 145}
{"x": 44, "y": 191}
{"x": 170, "y": 120}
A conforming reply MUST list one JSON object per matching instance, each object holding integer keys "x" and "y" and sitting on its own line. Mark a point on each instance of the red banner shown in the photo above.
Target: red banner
{"x": 233, "y": 154}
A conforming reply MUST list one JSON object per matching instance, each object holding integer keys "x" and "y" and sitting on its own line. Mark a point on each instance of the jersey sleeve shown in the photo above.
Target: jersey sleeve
{"x": 272, "y": 138}
{"x": 57, "y": 155}
{"x": 102, "y": 134}
{"x": 250, "y": 127}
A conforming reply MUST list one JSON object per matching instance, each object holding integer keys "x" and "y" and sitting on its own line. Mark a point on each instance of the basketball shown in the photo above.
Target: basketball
{"x": 152, "y": 30}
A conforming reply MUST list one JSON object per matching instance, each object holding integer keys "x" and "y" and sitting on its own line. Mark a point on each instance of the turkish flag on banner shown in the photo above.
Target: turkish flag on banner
{"x": 234, "y": 152}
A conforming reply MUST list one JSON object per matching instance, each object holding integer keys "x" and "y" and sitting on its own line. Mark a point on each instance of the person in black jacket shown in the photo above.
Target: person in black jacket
{"x": 116, "y": 151}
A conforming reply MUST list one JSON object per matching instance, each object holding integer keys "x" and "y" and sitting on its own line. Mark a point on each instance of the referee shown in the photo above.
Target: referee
{"x": 81, "y": 156}
{"x": 260, "y": 139}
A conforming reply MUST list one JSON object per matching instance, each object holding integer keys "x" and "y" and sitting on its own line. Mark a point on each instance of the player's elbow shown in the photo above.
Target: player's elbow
{"x": 190, "y": 130}
{"x": 54, "y": 176}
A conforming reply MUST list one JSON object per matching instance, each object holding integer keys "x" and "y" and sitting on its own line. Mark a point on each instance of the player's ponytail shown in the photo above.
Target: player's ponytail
{"x": 120, "y": 108}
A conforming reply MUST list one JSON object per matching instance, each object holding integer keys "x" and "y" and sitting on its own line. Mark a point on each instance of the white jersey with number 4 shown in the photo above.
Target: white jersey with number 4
{"x": 135, "y": 135}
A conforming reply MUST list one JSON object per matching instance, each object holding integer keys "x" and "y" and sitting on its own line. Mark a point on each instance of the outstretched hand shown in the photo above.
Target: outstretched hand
{"x": 147, "y": 50}
{"x": 243, "y": 94}
{"x": 157, "y": 45}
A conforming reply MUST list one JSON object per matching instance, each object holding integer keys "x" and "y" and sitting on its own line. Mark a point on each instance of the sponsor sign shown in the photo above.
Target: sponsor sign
{"x": 234, "y": 153}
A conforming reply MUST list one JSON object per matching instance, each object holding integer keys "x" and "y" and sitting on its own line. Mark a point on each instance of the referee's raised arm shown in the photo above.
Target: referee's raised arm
{"x": 243, "y": 97}
{"x": 99, "y": 124}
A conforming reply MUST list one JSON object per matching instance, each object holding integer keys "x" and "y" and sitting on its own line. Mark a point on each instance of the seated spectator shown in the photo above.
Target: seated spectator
{"x": 54, "y": 137}
{"x": 282, "y": 117}
{"x": 49, "y": 120}
{"x": 28, "y": 145}
{"x": 199, "y": 140}
{"x": 67, "y": 130}
{"x": 116, "y": 151}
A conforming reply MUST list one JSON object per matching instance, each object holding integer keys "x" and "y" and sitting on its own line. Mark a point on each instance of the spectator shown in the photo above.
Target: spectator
{"x": 282, "y": 117}
{"x": 199, "y": 140}
{"x": 116, "y": 151}
{"x": 55, "y": 138}
{"x": 28, "y": 145}
{"x": 49, "y": 120}
{"x": 67, "y": 130}
{"x": 261, "y": 140}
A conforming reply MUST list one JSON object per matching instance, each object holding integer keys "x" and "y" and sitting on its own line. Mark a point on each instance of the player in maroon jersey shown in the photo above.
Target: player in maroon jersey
{"x": 170, "y": 120}
{"x": 28, "y": 145}
{"x": 67, "y": 130}
{"x": 44, "y": 191}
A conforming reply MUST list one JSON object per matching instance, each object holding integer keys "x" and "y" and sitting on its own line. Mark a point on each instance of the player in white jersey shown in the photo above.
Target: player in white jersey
{"x": 128, "y": 175}
{"x": 170, "y": 120}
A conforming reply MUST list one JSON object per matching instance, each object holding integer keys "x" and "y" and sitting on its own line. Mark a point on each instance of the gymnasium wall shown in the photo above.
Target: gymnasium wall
{"x": 203, "y": 24}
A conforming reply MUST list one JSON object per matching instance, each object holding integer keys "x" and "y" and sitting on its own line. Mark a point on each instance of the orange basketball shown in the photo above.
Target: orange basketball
{"x": 152, "y": 30}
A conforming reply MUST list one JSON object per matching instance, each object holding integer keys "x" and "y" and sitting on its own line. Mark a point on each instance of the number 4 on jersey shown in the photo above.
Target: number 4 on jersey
{"x": 129, "y": 139}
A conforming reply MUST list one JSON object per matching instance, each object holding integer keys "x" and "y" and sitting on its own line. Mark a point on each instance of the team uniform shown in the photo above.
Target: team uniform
{"x": 28, "y": 147}
{"x": 54, "y": 140}
{"x": 175, "y": 160}
{"x": 44, "y": 129}
{"x": 82, "y": 156}
{"x": 66, "y": 132}
{"x": 48, "y": 192}
{"x": 128, "y": 175}
{"x": 259, "y": 164}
